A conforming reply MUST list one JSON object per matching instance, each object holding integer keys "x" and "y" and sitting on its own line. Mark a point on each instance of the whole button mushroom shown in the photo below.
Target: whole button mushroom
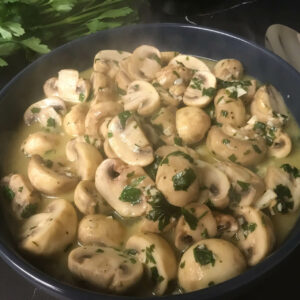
{"x": 189, "y": 62}
{"x": 50, "y": 231}
{"x": 105, "y": 268}
{"x": 209, "y": 262}
{"x": 192, "y": 123}
{"x": 229, "y": 69}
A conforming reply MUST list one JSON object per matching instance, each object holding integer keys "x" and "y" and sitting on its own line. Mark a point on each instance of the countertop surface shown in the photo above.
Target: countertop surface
{"x": 250, "y": 20}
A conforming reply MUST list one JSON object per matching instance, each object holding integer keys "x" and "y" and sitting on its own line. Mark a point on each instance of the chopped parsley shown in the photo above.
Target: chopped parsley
{"x": 156, "y": 115}
{"x": 182, "y": 265}
{"x": 135, "y": 182}
{"x": 155, "y": 275}
{"x": 121, "y": 92}
{"x": 267, "y": 132}
{"x": 156, "y": 58}
{"x": 99, "y": 250}
{"x": 109, "y": 134}
{"x": 203, "y": 255}
{"x": 182, "y": 180}
{"x": 248, "y": 228}
{"x": 48, "y": 163}
{"x": 205, "y": 234}
{"x": 190, "y": 219}
{"x": 177, "y": 153}
{"x": 232, "y": 157}
{"x": 220, "y": 99}
{"x": 247, "y": 152}
{"x": 291, "y": 170}
{"x": 131, "y": 251}
{"x": 131, "y": 194}
{"x": 132, "y": 260}
{"x": 211, "y": 283}
{"x": 210, "y": 92}
{"x": 35, "y": 110}
{"x": 51, "y": 122}
{"x": 224, "y": 113}
{"x": 176, "y": 74}
{"x": 178, "y": 141}
{"x": 130, "y": 174}
{"x": 283, "y": 201}
{"x": 244, "y": 185}
{"x": 87, "y": 139}
{"x": 232, "y": 94}
{"x": 223, "y": 84}
{"x": 151, "y": 169}
{"x": 226, "y": 141}
{"x": 196, "y": 83}
{"x": 29, "y": 210}
{"x": 234, "y": 197}
{"x": 20, "y": 189}
{"x": 49, "y": 151}
{"x": 149, "y": 255}
{"x": 8, "y": 193}
{"x": 81, "y": 97}
{"x": 256, "y": 148}
{"x": 123, "y": 117}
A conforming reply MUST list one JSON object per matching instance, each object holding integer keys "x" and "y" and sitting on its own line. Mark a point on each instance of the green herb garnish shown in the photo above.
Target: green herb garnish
{"x": 131, "y": 194}
{"x": 51, "y": 122}
{"x": 190, "y": 219}
{"x": 35, "y": 110}
{"x": 156, "y": 58}
{"x": 155, "y": 275}
{"x": 177, "y": 153}
{"x": 109, "y": 134}
{"x": 226, "y": 141}
{"x": 8, "y": 193}
{"x": 151, "y": 169}
{"x": 196, "y": 83}
{"x": 210, "y": 92}
{"x": 244, "y": 185}
{"x": 81, "y": 97}
{"x": 99, "y": 250}
{"x": 232, "y": 157}
{"x": 182, "y": 265}
{"x": 224, "y": 113}
{"x": 182, "y": 180}
{"x": 256, "y": 148}
{"x": 123, "y": 117}
{"x": 29, "y": 210}
{"x": 135, "y": 182}
{"x": 149, "y": 254}
{"x": 203, "y": 255}
{"x": 291, "y": 170}
{"x": 178, "y": 141}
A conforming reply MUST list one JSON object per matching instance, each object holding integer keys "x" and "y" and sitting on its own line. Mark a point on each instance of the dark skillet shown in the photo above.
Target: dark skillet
{"x": 26, "y": 88}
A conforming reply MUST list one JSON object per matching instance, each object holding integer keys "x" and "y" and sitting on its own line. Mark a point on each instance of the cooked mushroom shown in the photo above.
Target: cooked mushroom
{"x": 122, "y": 186}
{"x": 51, "y": 181}
{"x": 40, "y": 143}
{"x": 142, "y": 97}
{"x": 227, "y": 225}
{"x": 50, "y": 231}
{"x": 47, "y": 112}
{"x": 24, "y": 200}
{"x": 255, "y": 237}
{"x": 158, "y": 257}
{"x": 128, "y": 141}
{"x": 245, "y": 183}
{"x": 105, "y": 268}
{"x": 88, "y": 200}
{"x": 209, "y": 262}
{"x": 123, "y": 79}
{"x": 186, "y": 118}
{"x": 251, "y": 90}
{"x": 229, "y": 69}
{"x": 74, "y": 120}
{"x": 282, "y": 145}
{"x": 238, "y": 145}
{"x": 189, "y": 62}
{"x": 100, "y": 230}
{"x": 176, "y": 178}
{"x": 165, "y": 150}
{"x": 229, "y": 110}
{"x": 216, "y": 182}
{"x": 144, "y": 63}
{"x": 108, "y": 150}
{"x": 201, "y": 89}
{"x": 196, "y": 223}
{"x": 166, "y": 56}
{"x": 86, "y": 157}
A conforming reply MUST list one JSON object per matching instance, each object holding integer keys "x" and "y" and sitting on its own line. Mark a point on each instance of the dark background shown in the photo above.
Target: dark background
{"x": 250, "y": 19}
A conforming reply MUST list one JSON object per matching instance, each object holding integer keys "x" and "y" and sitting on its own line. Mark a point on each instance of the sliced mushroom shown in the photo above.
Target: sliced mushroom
{"x": 222, "y": 262}
{"x": 105, "y": 268}
{"x": 158, "y": 257}
{"x": 113, "y": 181}
{"x": 256, "y": 236}
{"x": 176, "y": 178}
{"x": 229, "y": 69}
{"x": 229, "y": 110}
{"x": 108, "y": 150}
{"x": 101, "y": 230}
{"x": 142, "y": 97}
{"x": 74, "y": 120}
{"x": 98, "y": 113}
{"x": 201, "y": 89}
{"x": 186, "y": 118}
{"x": 123, "y": 79}
{"x": 227, "y": 225}
{"x": 189, "y": 62}
{"x": 216, "y": 182}
{"x": 144, "y": 63}
{"x": 238, "y": 145}
{"x": 128, "y": 141}
{"x": 50, "y": 231}
{"x": 88, "y": 200}
{"x": 282, "y": 145}
{"x": 247, "y": 184}
{"x": 197, "y": 223}
{"x": 39, "y": 143}
{"x": 24, "y": 199}
{"x": 47, "y": 112}
{"x": 51, "y": 181}
{"x": 86, "y": 157}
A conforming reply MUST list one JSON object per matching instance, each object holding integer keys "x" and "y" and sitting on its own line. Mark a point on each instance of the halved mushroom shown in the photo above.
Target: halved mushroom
{"x": 24, "y": 199}
{"x": 50, "y": 231}
{"x": 128, "y": 141}
{"x": 86, "y": 157}
{"x": 255, "y": 237}
{"x": 142, "y": 97}
{"x": 47, "y": 111}
{"x": 248, "y": 185}
{"x": 122, "y": 186}
{"x": 101, "y": 230}
{"x": 268, "y": 106}
{"x": 74, "y": 120}
{"x": 229, "y": 69}
{"x": 51, "y": 181}
{"x": 209, "y": 262}
{"x": 227, "y": 225}
{"x": 229, "y": 110}
{"x": 176, "y": 178}
{"x": 186, "y": 118}
{"x": 196, "y": 223}
{"x": 123, "y": 79}
{"x": 216, "y": 182}
{"x": 201, "y": 89}
{"x": 105, "y": 268}
{"x": 88, "y": 200}
{"x": 39, "y": 143}
{"x": 108, "y": 150}
{"x": 282, "y": 145}
{"x": 189, "y": 62}
{"x": 158, "y": 257}
{"x": 144, "y": 63}
{"x": 237, "y": 145}
{"x": 68, "y": 86}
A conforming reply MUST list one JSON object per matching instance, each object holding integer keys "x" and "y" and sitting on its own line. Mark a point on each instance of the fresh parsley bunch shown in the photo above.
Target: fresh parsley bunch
{"x": 35, "y": 26}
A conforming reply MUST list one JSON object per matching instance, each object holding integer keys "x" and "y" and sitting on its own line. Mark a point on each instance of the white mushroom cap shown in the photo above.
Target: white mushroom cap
{"x": 229, "y": 69}
{"x": 45, "y": 110}
{"x": 189, "y": 62}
